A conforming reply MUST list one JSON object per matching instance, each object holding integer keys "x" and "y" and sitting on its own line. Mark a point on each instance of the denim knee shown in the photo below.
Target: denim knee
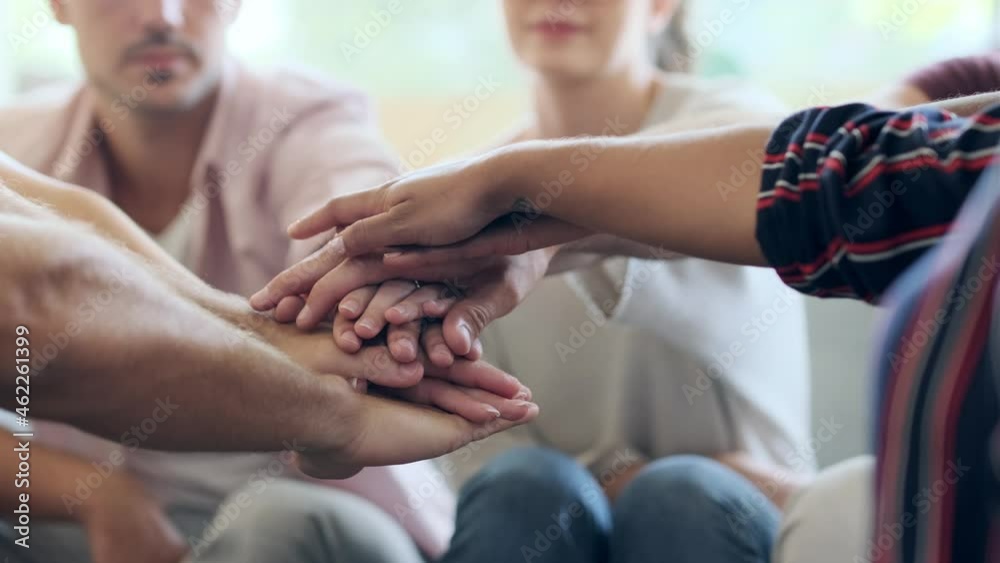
{"x": 689, "y": 498}
{"x": 538, "y": 476}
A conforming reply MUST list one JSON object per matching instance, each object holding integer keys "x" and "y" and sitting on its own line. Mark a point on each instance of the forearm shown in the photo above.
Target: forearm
{"x": 680, "y": 192}
{"x": 75, "y": 203}
{"x": 125, "y": 349}
{"x": 968, "y": 105}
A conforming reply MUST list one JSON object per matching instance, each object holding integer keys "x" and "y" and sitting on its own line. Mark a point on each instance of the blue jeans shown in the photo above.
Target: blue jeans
{"x": 541, "y": 506}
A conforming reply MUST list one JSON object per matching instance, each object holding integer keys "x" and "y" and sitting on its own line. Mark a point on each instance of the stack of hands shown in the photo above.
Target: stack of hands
{"x": 411, "y": 320}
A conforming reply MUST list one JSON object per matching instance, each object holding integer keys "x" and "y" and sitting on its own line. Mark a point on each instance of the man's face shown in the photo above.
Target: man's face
{"x": 157, "y": 56}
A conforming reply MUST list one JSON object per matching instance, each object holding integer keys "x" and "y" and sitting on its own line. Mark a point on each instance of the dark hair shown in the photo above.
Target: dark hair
{"x": 672, "y": 49}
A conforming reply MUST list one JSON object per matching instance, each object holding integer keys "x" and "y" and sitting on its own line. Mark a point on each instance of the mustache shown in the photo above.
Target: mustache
{"x": 159, "y": 40}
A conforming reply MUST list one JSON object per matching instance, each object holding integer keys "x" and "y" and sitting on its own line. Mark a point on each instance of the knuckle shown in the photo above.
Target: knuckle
{"x": 480, "y": 314}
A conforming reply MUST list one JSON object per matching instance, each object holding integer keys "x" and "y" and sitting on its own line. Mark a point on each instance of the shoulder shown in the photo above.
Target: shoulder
{"x": 36, "y": 121}
{"x": 302, "y": 92}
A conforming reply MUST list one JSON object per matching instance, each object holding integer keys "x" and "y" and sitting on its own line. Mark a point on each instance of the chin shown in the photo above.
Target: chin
{"x": 564, "y": 69}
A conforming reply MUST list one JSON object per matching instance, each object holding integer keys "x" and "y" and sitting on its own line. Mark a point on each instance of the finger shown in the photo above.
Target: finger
{"x": 474, "y": 405}
{"x": 355, "y": 302}
{"x": 331, "y": 288}
{"x": 369, "y": 235}
{"x": 438, "y": 308}
{"x": 503, "y": 237}
{"x": 394, "y": 433}
{"x": 343, "y": 334}
{"x": 468, "y": 318}
{"x": 289, "y": 308}
{"x": 434, "y": 346}
{"x": 299, "y": 278}
{"x": 376, "y": 365}
{"x": 477, "y": 351}
{"x": 338, "y": 212}
{"x": 372, "y": 321}
{"x": 481, "y": 375}
{"x": 402, "y": 340}
{"x": 411, "y": 308}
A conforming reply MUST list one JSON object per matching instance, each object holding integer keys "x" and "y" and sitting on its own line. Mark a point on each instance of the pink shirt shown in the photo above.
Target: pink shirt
{"x": 278, "y": 145}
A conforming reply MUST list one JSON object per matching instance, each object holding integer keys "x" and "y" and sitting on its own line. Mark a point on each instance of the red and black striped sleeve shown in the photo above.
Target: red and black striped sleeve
{"x": 851, "y": 196}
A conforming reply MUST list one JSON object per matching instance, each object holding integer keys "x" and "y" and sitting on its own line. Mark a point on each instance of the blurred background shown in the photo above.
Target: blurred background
{"x": 432, "y": 54}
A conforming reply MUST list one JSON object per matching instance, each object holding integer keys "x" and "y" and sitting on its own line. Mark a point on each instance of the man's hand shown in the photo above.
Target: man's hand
{"x": 125, "y": 525}
{"x": 387, "y": 432}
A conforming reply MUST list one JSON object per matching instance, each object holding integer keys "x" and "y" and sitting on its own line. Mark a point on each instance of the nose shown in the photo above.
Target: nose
{"x": 162, "y": 14}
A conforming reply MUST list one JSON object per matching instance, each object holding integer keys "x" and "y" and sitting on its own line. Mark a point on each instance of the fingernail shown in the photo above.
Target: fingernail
{"x": 403, "y": 348}
{"x": 352, "y": 339}
{"x": 354, "y": 383}
{"x": 367, "y": 325}
{"x": 337, "y": 245}
{"x": 291, "y": 228}
{"x": 403, "y": 310}
{"x": 391, "y": 255}
{"x": 493, "y": 411}
{"x": 349, "y": 307}
{"x": 304, "y": 315}
{"x": 468, "y": 333}
{"x": 522, "y": 395}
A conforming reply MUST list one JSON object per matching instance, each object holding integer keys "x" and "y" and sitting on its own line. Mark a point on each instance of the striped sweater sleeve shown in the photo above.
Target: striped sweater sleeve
{"x": 851, "y": 196}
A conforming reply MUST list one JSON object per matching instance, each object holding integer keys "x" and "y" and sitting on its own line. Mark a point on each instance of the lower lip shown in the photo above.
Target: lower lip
{"x": 558, "y": 31}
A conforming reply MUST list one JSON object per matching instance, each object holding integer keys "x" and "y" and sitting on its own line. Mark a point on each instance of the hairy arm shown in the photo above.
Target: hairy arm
{"x": 97, "y": 323}
{"x": 72, "y": 202}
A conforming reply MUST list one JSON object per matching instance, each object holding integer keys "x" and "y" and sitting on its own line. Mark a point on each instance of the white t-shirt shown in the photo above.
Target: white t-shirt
{"x": 661, "y": 357}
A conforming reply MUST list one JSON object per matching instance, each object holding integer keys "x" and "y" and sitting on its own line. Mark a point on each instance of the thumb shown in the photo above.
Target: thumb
{"x": 470, "y": 316}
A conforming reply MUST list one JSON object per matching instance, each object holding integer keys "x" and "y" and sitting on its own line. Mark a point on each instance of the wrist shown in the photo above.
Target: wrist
{"x": 507, "y": 175}
{"x": 332, "y": 422}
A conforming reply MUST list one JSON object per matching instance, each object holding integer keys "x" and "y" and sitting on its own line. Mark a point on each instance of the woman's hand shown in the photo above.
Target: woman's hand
{"x": 432, "y": 207}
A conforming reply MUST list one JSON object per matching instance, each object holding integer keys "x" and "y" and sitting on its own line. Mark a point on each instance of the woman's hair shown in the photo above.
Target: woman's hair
{"x": 673, "y": 49}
